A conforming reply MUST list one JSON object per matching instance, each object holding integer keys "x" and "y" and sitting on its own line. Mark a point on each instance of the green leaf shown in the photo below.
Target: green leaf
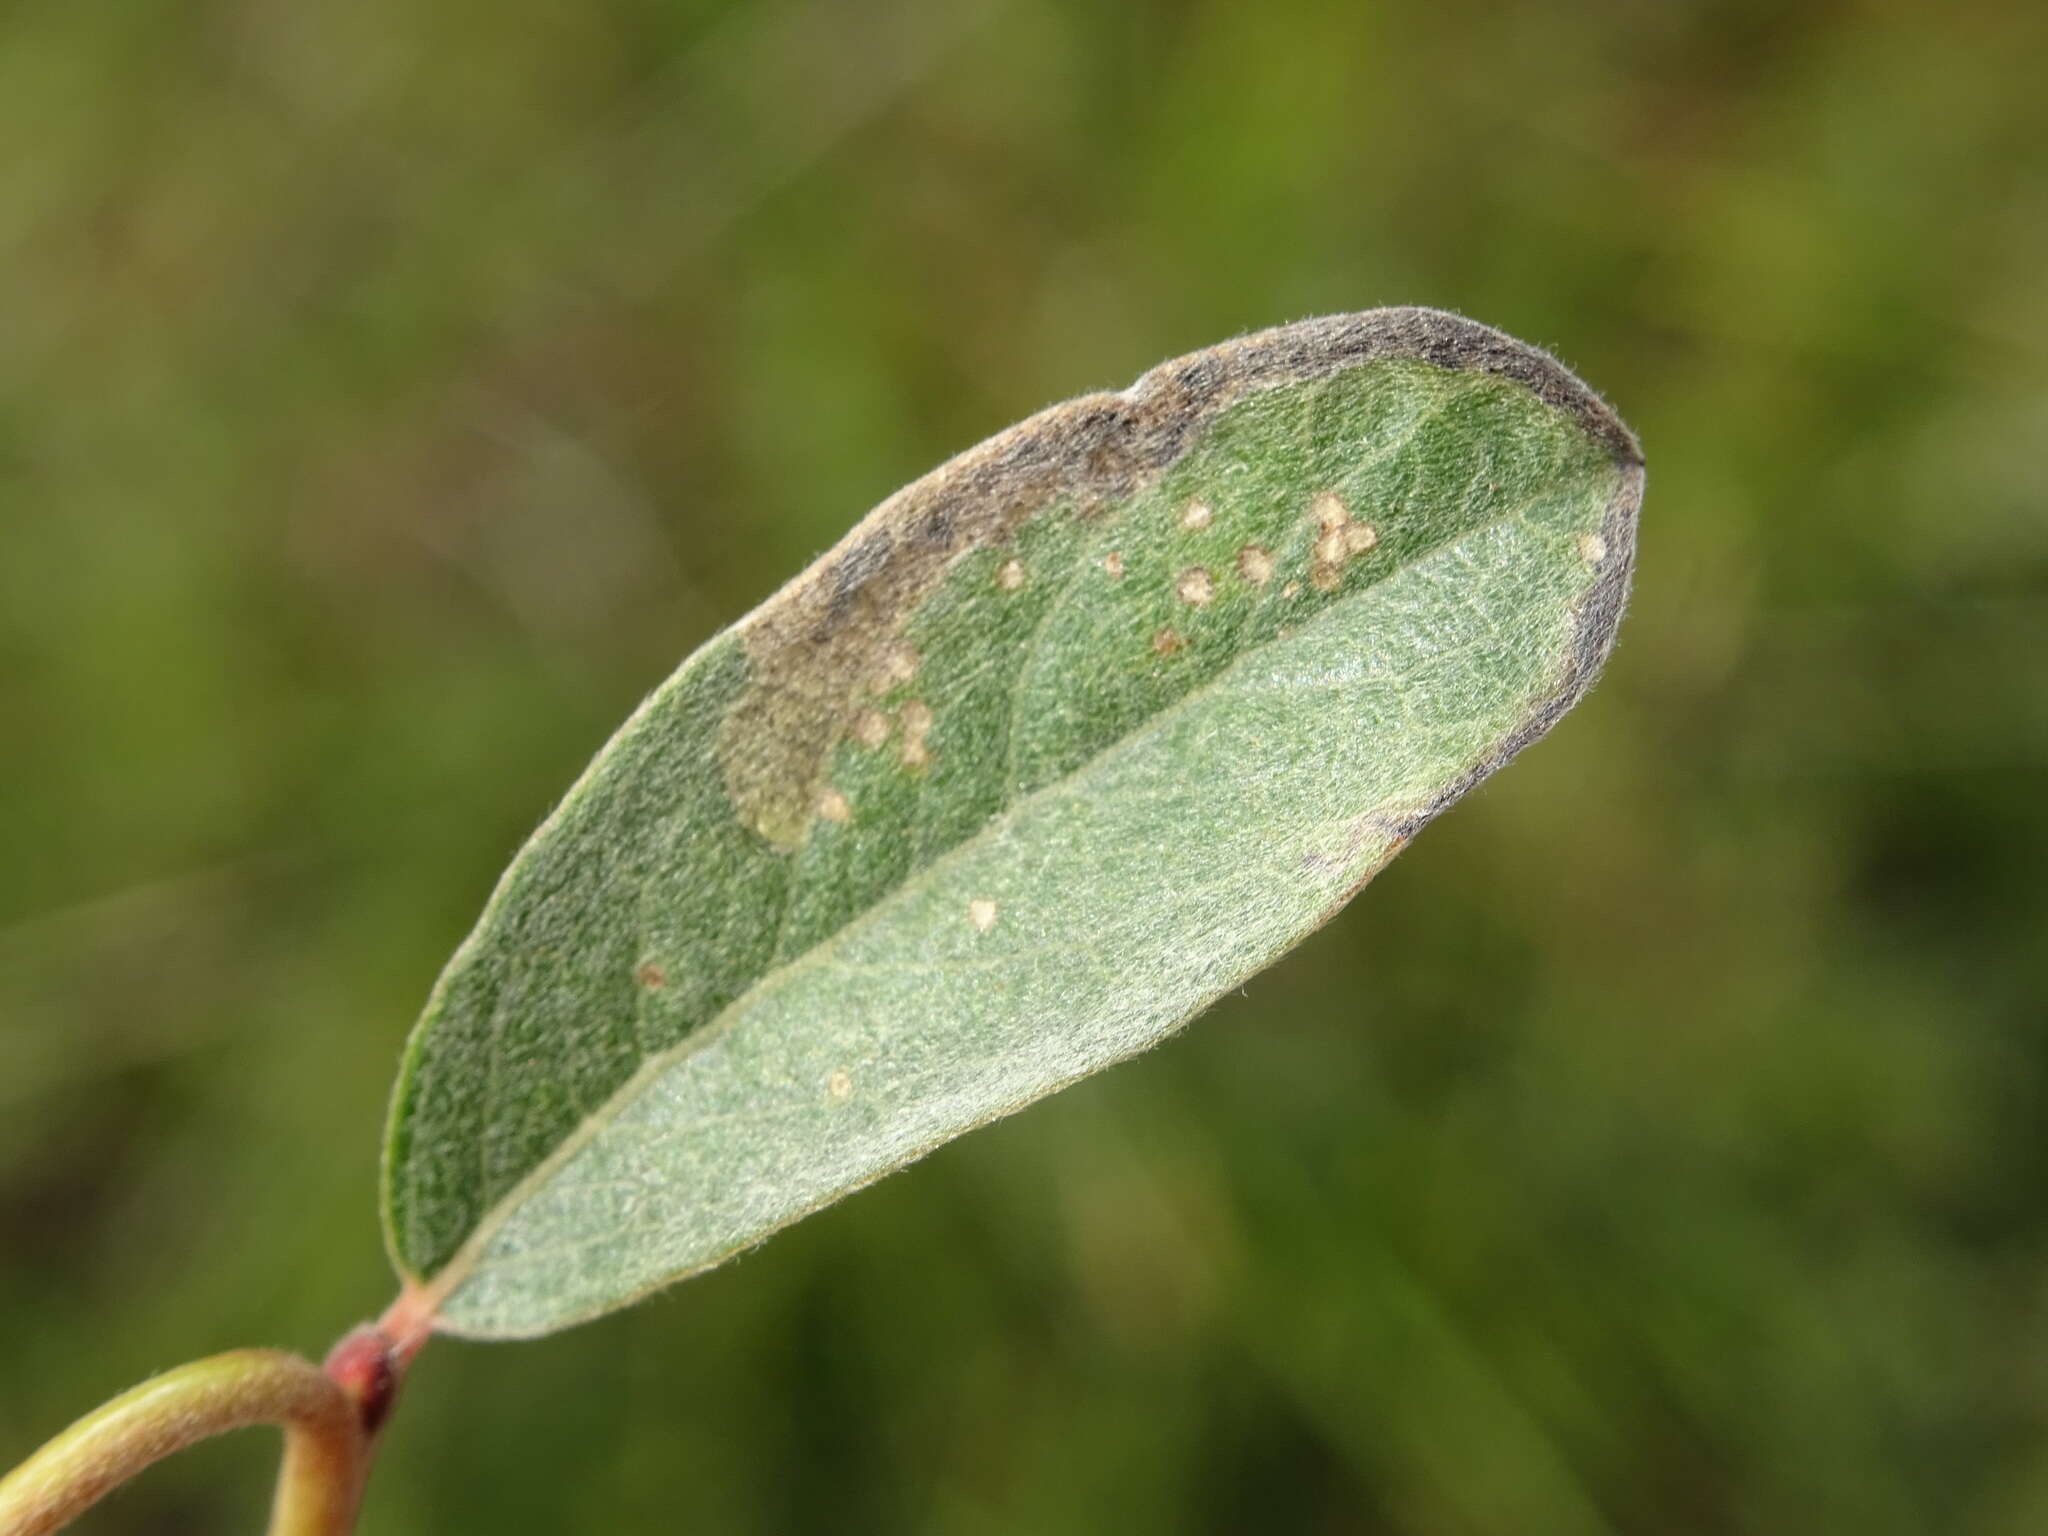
{"x": 1063, "y": 741}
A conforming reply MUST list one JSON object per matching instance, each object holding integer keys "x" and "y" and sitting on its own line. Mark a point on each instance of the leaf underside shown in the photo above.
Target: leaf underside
{"x": 1058, "y": 745}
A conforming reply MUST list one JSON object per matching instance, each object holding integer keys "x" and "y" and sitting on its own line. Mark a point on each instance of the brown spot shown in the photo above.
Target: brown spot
{"x": 1360, "y": 537}
{"x": 651, "y": 976}
{"x": 982, "y": 913}
{"x": 1332, "y": 548}
{"x": 1330, "y": 513}
{"x": 871, "y": 728}
{"x": 834, "y": 806}
{"x": 1166, "y": 642}
{"x": 915, "y": 754}
{"x": 1196, "y": 516}
{"x": 1255, "y": 565}
{"x": 1292, "y": 589}
{"x": 1011, "y": 576}
{"x": 839, "y": 1086}
{"x": 1592, "y": 548}
{"x": 1113, "y": 562}
{"x": 1324, "y": 578}
{"x": 1195, "y": 586}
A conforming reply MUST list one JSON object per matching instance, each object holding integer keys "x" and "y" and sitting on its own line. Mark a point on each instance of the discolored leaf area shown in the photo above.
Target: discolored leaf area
{"x": 1059, "y": 744}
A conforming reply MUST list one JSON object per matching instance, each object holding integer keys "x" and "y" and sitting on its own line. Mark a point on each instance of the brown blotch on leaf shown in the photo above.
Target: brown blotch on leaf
{"x": 1195, "y": 586}
{"x": 1592, "y": 548}
{"x": 1011, "y": 576}
{"x": 834, "y": 806}
{"x": 1326, "y": 578}
{"x": 1196, "y": 516}
{"x": 813, "y": 649}
{"x": 1330, "y": 512}
{"x": 1255, "y": 565}
{"x": 1166, "y": 642}
{"x": 1113, "y": 562}
{"x": 839, "y": 1086}
{"x": 1292, "y": 589}
{"x": 982, "y": 913}
{"x": 651, "y": 976}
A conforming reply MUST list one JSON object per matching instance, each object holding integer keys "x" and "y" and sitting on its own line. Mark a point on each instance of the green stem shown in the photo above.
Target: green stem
{"x": 327, "y": 1448}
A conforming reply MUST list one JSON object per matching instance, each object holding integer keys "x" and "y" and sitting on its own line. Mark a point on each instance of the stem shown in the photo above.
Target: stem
{"x": 326, "y": 1445}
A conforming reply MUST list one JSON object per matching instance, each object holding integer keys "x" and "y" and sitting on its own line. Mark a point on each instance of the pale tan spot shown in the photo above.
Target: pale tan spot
{"x": 1195, "y": 586}
{"x": 1339, "y": 540}
{"x": 839, "y": 1085}
{"x": 899, "y": 665}
{"x": 1166, "y": 642}
{"x": 1292, "y": 589}
{"x": 1011, "y": 576}
{"x": 871, "y": 728}
{"x": 1113, "y": 562}
{"x": 1592, "y": 548}
{"x": 982, "y": 913}
{"x": 1255, "y": 565}
{"x": 917, "y": 723}
{"x": 651, "y": 976}
{"x": 834, "y": 806}
{"x": 1196, "y": 516}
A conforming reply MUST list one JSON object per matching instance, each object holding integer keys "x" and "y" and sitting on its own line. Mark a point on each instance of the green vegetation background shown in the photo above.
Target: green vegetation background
{"x": 391, "y": 392}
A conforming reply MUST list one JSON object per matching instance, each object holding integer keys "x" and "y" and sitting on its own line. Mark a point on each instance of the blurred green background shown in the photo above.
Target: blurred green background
{"x": 391, "y": 392}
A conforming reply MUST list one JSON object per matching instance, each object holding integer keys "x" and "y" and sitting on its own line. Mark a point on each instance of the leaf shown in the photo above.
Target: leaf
{"x": 1063, "y": 741}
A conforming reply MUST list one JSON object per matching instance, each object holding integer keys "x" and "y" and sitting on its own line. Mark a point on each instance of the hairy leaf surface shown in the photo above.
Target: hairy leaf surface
{"x": 1059, "y": 744}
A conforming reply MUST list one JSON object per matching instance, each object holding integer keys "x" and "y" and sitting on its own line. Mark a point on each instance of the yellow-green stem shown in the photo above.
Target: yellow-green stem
{"x": 326, "y": 1449}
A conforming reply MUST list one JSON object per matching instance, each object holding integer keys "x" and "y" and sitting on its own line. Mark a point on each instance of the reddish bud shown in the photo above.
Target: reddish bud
{"x": 363, "y": 1367}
